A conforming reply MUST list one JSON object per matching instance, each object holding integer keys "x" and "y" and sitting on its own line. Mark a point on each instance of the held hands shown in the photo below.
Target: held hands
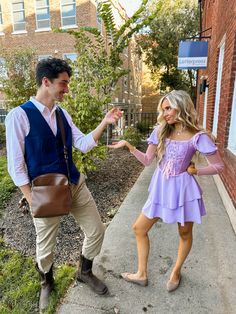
{"x": 113, "y": 115}
{"x": 191, "y": 168}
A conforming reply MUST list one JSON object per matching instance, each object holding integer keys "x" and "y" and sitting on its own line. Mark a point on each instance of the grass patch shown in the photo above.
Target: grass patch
{"x": 6, "y": 184}
{"x": 20, "y": 286}
{"x": 19, "y": 280}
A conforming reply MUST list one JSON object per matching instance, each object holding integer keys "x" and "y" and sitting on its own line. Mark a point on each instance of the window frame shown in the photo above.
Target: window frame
{"x": 204, "y": 123}
{"x": 70, "y": 2}
{"x": 232, "y": 128}
{"x": 218, "y": 87}
{"x": 15, "y": 31}
{"x": 1, "y": 20}
{"x": 38, "y": 29}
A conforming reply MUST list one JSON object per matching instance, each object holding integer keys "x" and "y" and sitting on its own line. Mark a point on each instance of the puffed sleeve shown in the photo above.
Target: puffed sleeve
{"x": 153, "y": 138}
{"x": 204, "y": 144}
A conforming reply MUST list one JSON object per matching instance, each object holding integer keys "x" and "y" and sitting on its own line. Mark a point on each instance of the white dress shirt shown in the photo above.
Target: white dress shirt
{"x": 18, "y": 127}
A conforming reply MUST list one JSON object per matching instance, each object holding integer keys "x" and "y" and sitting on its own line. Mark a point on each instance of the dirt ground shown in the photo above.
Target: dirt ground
{"x": 109, "y": 186}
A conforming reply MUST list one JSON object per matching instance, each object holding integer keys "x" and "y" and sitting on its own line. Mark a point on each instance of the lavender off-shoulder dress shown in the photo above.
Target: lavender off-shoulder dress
{"x": 174, "y": 195}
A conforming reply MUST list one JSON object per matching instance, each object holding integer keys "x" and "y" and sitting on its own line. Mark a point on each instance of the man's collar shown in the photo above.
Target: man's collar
{"x": 41, "y": 107}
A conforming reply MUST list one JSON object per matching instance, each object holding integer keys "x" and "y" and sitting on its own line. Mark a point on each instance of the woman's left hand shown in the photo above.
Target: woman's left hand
{"x": 119, "y": 144}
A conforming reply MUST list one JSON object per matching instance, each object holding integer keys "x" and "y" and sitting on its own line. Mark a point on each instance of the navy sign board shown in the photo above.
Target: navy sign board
{"x": 192, "y": 55}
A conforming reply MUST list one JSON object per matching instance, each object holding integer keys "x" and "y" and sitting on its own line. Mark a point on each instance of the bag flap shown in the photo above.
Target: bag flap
{"x": 50, "y": 179}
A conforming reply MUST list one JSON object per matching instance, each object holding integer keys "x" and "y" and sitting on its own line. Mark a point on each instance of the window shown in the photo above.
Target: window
{"x": 1, "y": 20}
{"x": 42, "y": 14}
{"x": 70, "y": 56}
{"x": 218, "y": 87}
{"x": 232, "y": 129}
{"x": 68, "y": 13}
{"x": 18, "y": 13}
{"x": 41, "y": 57}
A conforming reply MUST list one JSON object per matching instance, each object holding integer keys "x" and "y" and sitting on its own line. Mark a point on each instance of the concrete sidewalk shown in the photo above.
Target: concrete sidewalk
{"x": 208, "y": 277}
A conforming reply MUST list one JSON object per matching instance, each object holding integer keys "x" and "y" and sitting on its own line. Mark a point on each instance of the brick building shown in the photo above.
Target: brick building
{"x": 216, "y": 101}
{"x": 30, "y": 22}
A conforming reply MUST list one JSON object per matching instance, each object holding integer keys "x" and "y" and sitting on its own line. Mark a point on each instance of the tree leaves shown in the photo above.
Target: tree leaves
{"x": 174, "y": 20}
{"x": 19, "y": 84}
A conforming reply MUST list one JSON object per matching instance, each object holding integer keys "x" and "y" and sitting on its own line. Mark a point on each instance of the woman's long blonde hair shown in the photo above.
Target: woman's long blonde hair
{"x": 186, "y": 114}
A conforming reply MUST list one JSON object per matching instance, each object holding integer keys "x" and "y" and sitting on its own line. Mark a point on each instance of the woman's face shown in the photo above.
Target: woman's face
{"x": 169, "y": 113}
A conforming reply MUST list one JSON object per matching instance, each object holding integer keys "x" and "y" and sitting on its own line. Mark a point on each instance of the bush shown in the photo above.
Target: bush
{"x": 132, "y": 135}
{"x": 144, "y": 126}
{"x": 2, "y": 134}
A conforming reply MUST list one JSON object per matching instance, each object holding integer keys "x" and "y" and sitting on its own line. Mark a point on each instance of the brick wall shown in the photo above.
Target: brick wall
{"x": 45, "y": 42}
{"x": 56, "y": 44}
{"x": 220, "y": 16}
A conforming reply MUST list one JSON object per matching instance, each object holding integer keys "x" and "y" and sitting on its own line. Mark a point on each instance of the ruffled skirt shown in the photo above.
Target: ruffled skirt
{"x": 174, "y": 199}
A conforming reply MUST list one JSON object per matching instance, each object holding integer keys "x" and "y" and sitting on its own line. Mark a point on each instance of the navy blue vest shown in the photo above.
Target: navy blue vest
{"x": 43, "y": 150}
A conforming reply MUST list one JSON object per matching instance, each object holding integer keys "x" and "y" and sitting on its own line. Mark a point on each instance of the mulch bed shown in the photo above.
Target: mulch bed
{"x": 109, "y": 186}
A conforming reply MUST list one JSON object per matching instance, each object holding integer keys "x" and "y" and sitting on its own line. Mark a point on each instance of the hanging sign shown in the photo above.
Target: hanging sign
{"x": 192, "y": 55}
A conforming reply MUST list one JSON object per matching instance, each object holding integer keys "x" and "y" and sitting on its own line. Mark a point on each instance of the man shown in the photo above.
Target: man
{"x": 32, "y": 150}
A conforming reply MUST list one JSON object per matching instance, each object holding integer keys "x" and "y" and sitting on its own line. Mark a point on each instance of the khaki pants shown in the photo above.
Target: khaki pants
{"x": 85, "y": 213}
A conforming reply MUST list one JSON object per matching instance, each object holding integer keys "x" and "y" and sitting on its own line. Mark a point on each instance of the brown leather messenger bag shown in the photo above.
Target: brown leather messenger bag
{"x": 51, "y": 193}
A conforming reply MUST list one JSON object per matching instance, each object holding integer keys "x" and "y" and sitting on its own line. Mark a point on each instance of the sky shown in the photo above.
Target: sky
{"x": 130, "y": 6}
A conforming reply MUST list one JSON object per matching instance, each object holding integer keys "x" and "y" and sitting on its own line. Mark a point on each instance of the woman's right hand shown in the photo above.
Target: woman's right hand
{"x": 119, "y": 144}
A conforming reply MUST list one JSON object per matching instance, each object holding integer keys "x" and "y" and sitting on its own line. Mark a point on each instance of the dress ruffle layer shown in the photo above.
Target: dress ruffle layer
{"x": 174, "y": 199}
{"x": 174, "y": 195}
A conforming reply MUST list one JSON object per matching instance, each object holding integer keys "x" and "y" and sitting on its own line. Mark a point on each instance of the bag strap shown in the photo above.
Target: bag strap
{"x": 65, "y": 149}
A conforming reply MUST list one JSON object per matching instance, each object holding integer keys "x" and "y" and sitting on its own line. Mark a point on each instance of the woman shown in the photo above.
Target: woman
{"x": 174, "y": 194}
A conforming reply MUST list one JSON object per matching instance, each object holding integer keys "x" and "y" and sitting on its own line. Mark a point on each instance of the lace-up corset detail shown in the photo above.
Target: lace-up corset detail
{"x": 174, "y": 160}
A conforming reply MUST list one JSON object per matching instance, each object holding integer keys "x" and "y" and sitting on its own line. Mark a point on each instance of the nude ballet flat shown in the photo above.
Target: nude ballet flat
{"x": 140, "y": 282}
{"x": 172, "y": 286}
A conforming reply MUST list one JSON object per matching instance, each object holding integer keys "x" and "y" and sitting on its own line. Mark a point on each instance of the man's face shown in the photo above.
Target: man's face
{"x": 58, "y": 87}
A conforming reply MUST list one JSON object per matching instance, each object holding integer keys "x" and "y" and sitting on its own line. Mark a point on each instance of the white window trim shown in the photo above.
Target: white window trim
{"x": 68, "y": 26}
{"x": 17, "y": 32}
{"x": 205, "y": 108}
{"x": 232, "y": 129}
{"x": 48, "y": 29}
{"x": 45, "y": 29}
{"x": 218, "y": 88}
{"x": 1, "y": 25}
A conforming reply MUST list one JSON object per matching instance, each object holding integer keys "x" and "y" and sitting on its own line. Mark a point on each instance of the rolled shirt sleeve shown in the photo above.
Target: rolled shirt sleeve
{"x": 79, "y": 140}
{"x": 17, "y": 127}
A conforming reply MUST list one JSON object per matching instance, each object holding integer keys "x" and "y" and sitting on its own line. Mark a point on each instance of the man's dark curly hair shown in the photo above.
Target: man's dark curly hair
{"x": 51, "y": 68}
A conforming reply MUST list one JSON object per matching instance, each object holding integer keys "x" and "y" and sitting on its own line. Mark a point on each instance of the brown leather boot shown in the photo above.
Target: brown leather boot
{"x": 47, "y": 286}
{"x": 85, "y": 275}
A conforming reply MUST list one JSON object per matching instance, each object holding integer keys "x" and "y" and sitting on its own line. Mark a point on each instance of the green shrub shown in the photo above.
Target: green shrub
{"x": 132, "y": 135}
{"x": 2, "y": 134}
{"x": 6, "y": 184}
{"x": 144, "y": 126}
{"x": 19, "y": 283}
